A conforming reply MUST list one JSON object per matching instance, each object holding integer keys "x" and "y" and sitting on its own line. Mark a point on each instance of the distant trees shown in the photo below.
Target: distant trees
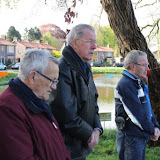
{"x": 105, "y": 36}
{"x": 32, "y": 34}
{"x": 47, "y": 37}
{"x": 12, "y": 32}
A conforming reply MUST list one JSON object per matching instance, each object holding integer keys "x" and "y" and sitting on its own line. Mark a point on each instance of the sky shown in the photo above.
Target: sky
{"x": 34, "y": 13}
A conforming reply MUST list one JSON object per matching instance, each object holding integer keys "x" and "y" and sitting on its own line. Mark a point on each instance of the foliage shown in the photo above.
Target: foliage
{"x": 10, "y": 3}
{"x": 105, "y": 36}
{"x": 32, "y": 34}
{"x": 107, "y": 69}
{"x": 12, "y": 32}
{"x": 47, "y": 37}
{"x": 9, "y": 61}
{"x": 56, "y": 54}
{"x": 5, "y": 79}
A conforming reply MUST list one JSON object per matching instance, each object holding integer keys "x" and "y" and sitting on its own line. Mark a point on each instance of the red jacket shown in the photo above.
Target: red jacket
{"x": 25, "y": 135}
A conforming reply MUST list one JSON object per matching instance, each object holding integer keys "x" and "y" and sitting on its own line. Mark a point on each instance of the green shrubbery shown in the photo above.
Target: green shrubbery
{"x": 96, "y": 70}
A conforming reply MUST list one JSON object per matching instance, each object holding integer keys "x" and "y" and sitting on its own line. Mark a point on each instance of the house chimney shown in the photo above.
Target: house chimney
{"x": 15, "y": 39}
{"x": 3, "y": 36}
{"x": 37, "y": 41}
{"x": 108, "y": 45}
{"x": 46, "y": 42}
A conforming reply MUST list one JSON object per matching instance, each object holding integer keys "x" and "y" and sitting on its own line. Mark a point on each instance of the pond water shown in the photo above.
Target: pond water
{"x": 105, "y": 84}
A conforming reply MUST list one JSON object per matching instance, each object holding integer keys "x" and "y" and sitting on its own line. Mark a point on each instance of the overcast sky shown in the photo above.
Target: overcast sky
{"x": 31, "y": 13}
{"x": 34, "y": 13}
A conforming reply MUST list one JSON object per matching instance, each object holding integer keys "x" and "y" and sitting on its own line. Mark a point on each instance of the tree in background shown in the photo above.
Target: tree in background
{"x": 33, "y": 34}
{"x": 12, "y": 32}
{"x": 47, "y": 37}
{"x": 105, "y": 36}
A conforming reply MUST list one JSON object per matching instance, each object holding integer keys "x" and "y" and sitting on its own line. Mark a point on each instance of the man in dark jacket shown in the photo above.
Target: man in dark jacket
{"x": 134, "y": 117}
{"x": 28, "y": 130}
{"x": 75, "y": 104}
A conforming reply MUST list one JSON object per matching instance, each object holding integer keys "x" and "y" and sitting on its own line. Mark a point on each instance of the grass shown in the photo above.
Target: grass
{"x": 4, "y": 80}
{"x": 106, "y": 150}
{"x": 97, "y": 70}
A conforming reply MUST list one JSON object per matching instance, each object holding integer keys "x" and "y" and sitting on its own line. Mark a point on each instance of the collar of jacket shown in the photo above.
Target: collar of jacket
{"x": 74, "y": 60}
{"x": 133, "y": 77}
{"x": 32, "y": 102}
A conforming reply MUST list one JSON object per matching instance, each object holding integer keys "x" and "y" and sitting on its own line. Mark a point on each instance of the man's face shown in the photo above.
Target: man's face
{"x": 86, "y": 45}
{"x": 43, "y": 86}
{"x": 141, "y": 67}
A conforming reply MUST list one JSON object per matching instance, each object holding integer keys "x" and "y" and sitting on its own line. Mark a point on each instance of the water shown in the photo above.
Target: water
{"x": 105, "y": 84}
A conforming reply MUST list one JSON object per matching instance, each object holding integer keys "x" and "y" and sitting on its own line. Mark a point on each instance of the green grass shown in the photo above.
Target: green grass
{"x": 6, "y": 79}
{"x": 96, "y": 70}
{"x": 106, "y": 150}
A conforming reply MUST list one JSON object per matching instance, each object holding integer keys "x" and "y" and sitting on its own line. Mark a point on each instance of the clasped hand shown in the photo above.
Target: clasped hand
{"x": 93, "y": 141}
{"x": 156, "y": 134}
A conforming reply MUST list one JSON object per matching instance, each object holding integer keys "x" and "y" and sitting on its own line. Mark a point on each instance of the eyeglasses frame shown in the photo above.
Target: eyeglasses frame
{"x": 53, "y": 82}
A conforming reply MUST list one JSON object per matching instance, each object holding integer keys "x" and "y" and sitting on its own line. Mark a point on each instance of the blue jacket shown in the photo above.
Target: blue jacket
{"x": 132, "y": 102}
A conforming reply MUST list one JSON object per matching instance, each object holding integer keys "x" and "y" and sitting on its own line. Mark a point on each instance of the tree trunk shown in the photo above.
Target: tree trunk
{"x": 124, "y": 24}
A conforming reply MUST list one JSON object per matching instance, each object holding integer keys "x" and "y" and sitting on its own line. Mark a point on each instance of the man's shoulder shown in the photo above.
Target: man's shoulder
{"x": 9, "y": 100}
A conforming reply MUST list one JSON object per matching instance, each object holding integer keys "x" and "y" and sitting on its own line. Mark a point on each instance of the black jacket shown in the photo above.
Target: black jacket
{"x": 75, "y": 104}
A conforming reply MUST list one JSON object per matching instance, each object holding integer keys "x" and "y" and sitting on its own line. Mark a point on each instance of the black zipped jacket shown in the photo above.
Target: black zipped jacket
{"x": 75, "y": 105}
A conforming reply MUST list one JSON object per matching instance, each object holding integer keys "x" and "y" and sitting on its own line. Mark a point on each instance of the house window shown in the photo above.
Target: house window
{"x": 3, "y": 48}
{"x": 11, "y": 49}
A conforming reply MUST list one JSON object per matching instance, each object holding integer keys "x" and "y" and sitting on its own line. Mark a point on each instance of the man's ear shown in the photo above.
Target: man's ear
{"x": 74, "y": 43}
{"x": 31, "y": 77}
{"x": 131, "y": 65}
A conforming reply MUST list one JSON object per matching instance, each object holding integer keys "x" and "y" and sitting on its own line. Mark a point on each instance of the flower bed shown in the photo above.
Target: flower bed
{"x": 3, "y": 74}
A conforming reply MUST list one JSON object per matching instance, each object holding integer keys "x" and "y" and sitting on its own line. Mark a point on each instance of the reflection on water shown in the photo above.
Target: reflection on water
{"x": 106, "y": 85}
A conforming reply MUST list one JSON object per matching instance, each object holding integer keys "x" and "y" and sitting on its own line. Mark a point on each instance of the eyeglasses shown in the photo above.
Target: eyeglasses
{"x": 144, "y": 65}
{"x": 89, "y": 41}
{"x": 53, "y": 82}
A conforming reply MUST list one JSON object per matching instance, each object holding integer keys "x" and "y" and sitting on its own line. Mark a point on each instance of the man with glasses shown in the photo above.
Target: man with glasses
{"x": 75, "y": 104}
{"x": 135, "y": 120}
{"x": 28, "y": 129}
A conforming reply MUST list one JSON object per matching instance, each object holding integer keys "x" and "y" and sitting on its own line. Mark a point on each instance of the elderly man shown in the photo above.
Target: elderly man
{"x": 75, "y": 104}
{"x": 134, "y": 117}
{"x": 28, "y": 129}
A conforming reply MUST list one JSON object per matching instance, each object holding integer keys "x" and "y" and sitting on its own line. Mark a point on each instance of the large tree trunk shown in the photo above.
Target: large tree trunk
{"x": 124, "y": 24}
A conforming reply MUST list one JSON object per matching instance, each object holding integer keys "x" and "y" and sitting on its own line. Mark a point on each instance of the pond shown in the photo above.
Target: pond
{"x": 105, "y": 84}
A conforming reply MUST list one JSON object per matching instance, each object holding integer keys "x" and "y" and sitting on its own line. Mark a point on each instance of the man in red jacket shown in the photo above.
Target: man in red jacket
{"x": 28, "y": 130}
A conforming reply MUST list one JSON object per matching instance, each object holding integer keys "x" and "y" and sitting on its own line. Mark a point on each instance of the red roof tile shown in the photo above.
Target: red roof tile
{"x": 37, "y": 45}
{"x": 6, "y": 42}
{"x": 103, "y": 49}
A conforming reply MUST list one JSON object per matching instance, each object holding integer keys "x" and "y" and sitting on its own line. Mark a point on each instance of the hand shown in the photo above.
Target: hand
{"x": 153, "y": 138}
{"x": 156, "y": 134}
{"x": 93, "y": 140}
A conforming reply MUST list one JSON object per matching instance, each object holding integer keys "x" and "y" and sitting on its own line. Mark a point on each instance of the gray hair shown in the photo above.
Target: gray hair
{"x": 77, "y": 32}
{"x": 35, "y": 60}
{"x": 133, "y": 57}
